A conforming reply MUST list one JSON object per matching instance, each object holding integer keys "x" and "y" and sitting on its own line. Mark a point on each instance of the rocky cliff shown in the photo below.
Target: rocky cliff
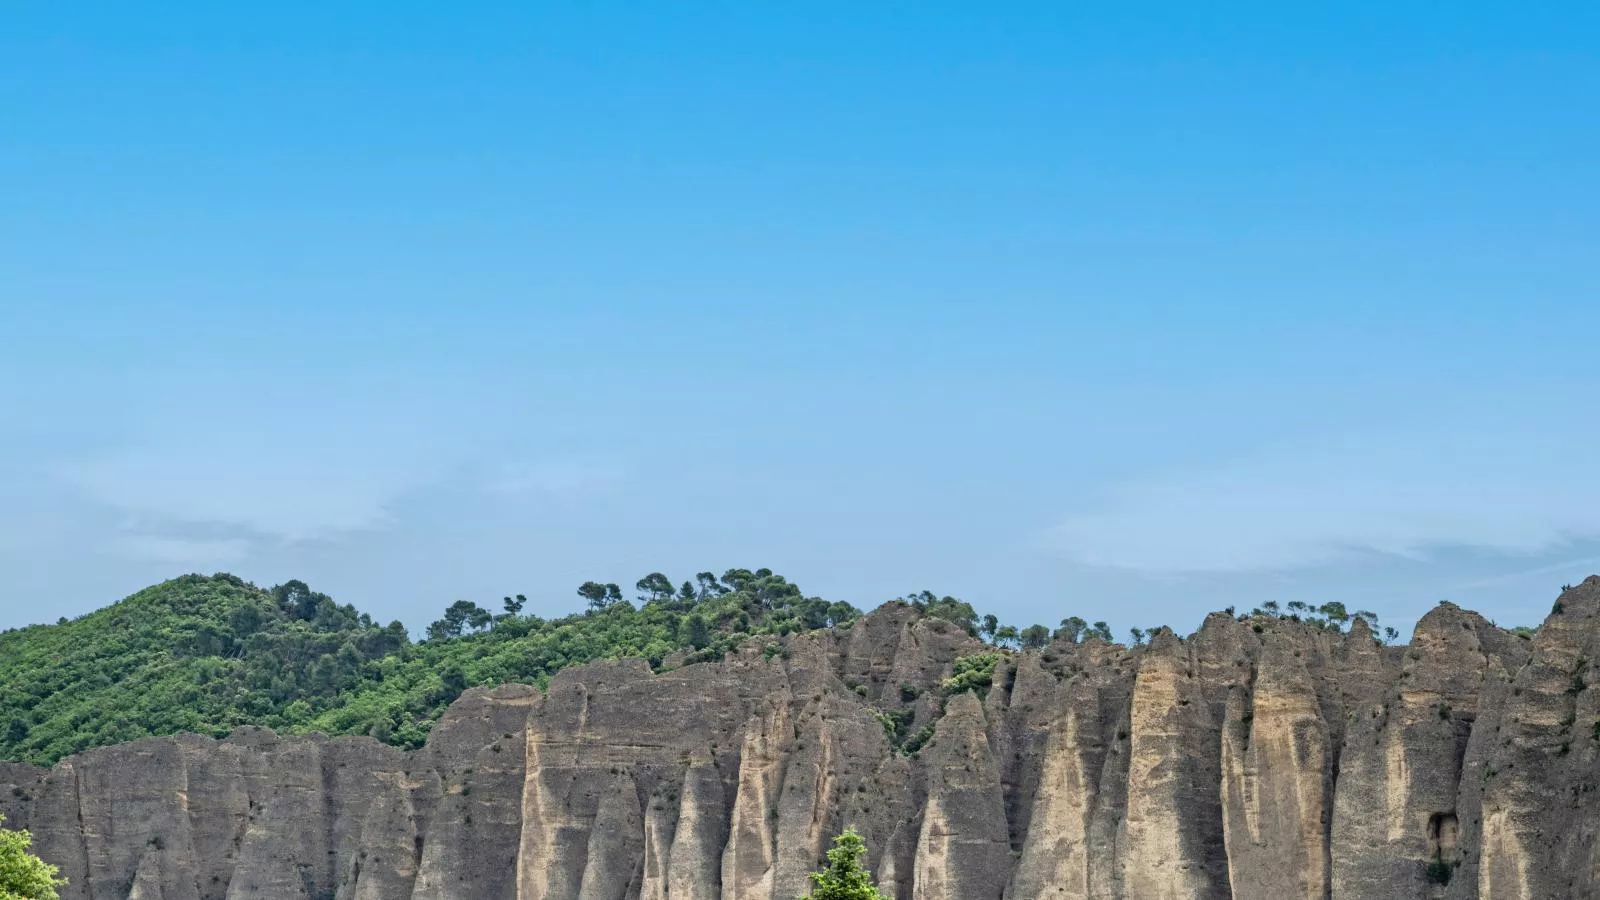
{"x": 1255, "y": 759}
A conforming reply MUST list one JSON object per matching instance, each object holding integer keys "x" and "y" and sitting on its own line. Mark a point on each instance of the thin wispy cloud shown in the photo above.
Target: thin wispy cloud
{"x": 1503, "y": 486}
{"x": 270, "y": 459}
{"x": 281, "y": 497}
{"x": 1582, "y": 564}
{"x": 188, "y": 554}
{"x": 202, "y": 508}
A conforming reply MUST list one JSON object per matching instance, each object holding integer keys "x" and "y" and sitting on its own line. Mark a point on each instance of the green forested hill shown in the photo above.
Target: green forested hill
{"x": 192, "y": 654}
{"x": 206, "y": 654}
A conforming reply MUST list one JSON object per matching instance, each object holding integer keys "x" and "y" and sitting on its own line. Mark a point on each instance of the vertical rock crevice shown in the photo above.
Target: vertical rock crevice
{"x": 1171, "y": 842}
{"x": 963, "y": 849}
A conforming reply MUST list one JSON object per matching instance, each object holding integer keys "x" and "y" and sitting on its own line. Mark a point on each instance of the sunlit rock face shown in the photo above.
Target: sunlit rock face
{"x": 1261, "y": 760}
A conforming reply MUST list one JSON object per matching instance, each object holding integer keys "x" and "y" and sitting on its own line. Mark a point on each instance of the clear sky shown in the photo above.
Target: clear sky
{"x": 1129, "y": 311}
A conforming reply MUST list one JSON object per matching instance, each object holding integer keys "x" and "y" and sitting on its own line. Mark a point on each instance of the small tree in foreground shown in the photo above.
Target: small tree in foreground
{"x": 845, "y": 878}
{"x": 24, "y": 876}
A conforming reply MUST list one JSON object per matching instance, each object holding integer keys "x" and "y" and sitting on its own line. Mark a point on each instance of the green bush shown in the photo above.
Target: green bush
{"x": 24, "y": 876}
{"x": 974, "y": 672}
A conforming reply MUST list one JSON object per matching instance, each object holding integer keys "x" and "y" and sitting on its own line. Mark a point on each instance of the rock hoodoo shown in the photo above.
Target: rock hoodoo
{"x": 1253, "y": 760}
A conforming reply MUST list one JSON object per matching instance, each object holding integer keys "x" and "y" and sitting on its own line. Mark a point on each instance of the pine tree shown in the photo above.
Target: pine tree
{"x": 845, "y": 878}
{"x": 699, "y": 634}
{"x": 24, "y": 876}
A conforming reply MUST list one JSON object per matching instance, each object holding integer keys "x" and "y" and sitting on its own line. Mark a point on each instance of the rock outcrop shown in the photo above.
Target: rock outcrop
{"x": 1259, "y": 759}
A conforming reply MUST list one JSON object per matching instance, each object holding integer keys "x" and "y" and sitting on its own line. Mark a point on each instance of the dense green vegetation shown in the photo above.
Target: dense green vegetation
{"x": 24, "y": 876}
{"x": 193, "y": 654}
{"x": 972, "y": 673}
{"x": 209, "y": 654}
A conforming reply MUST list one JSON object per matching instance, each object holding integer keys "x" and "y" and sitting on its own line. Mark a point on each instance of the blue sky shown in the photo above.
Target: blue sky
{"x": 1129, "y": 311}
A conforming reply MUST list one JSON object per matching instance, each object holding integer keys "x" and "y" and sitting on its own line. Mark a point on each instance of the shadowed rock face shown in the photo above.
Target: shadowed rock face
{"x": 1276, "y": 764}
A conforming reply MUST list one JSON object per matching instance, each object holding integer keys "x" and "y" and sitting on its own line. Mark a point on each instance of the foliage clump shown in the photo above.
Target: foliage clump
{"x": 1075, "y": 630}
{"x": 974, "y": 672}
{"x": 1330, "y": 616}
{"x": 1439, "y": 872}
{"x": 956, "y": 612}
{"x": 846, "y": 877}
{"x": 914, "y": 744}
{"x": 24, "y": 876}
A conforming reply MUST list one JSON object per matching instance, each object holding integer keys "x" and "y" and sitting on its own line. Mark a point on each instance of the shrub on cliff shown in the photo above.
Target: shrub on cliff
{"x": 972, "y": 673}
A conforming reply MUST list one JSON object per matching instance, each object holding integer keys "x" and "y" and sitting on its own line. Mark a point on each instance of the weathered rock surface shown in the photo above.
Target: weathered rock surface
{"x": 1260, "y": 760}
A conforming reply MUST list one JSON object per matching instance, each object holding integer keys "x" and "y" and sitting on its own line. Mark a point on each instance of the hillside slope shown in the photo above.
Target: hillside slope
{"x": 1259, "y": 758}
{"x": 208, "y": 654}
{"x": 193, "y": 654}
